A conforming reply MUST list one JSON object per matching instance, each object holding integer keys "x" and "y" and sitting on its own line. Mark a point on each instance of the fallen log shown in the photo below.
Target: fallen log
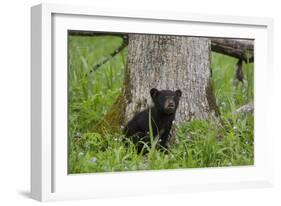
{"x": 247, "y": 108}
{"x": 238, "y": 48}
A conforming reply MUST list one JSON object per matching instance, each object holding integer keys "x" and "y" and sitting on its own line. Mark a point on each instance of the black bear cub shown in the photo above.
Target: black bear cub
{"x": 162, "y": 115}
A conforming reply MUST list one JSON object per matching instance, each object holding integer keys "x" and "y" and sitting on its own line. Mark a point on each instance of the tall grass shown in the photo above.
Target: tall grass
{"x": 197, "y": 144}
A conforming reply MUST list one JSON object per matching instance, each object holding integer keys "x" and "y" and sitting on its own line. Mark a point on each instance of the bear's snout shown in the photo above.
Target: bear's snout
{"x": 170, "y": 106}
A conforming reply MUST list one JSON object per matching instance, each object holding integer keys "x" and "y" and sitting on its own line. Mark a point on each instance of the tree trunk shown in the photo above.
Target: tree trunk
{"x": 169, "y": 62}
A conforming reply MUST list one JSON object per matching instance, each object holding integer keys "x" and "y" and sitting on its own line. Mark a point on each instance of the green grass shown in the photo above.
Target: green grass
{"x": 197, "y": 143}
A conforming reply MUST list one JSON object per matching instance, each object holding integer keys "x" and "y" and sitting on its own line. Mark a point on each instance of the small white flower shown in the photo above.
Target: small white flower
{"x": 94, "y": 160}
{"x": 80, "y": 154}
{"x": 78, "y": 135}
{"x": 229, "y": 164}
{"x": 235, "y": 128}
{"x": 143, "y": 166}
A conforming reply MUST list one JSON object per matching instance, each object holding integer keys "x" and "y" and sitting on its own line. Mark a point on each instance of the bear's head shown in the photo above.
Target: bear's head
{"x": 166, "y": 101}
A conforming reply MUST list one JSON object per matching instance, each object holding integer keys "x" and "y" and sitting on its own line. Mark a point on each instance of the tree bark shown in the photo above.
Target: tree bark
{"x": 169, "y": 62}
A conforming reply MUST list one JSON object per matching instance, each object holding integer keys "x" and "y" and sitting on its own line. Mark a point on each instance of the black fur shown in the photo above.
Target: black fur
{"x": 162, "y": 115}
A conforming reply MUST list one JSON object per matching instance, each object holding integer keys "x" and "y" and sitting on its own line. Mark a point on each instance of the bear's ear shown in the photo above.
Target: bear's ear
{"x": 153, "y": 92}
{"x": 178, "y": 93}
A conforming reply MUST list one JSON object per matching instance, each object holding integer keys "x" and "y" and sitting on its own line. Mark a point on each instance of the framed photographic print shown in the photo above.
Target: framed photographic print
{"x": 135, "y": 102}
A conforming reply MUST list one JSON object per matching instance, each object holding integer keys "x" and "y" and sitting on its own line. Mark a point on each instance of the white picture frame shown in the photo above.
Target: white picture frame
{"x": 49, "y": 178}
